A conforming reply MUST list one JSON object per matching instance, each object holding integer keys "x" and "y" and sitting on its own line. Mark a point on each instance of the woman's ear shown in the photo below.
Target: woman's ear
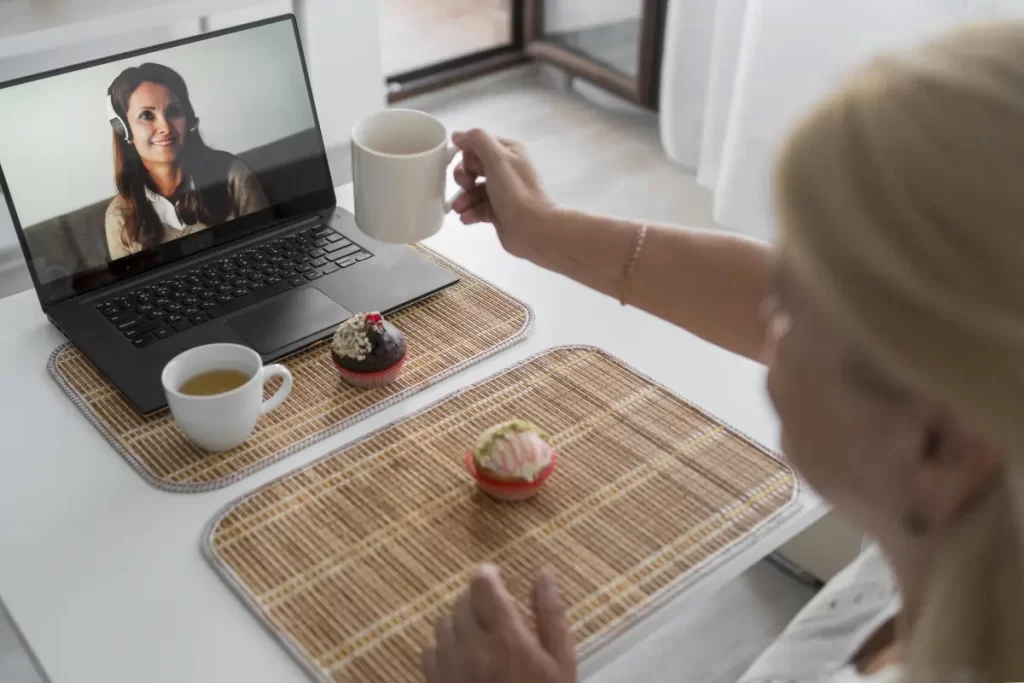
{"x": 935, "y": 444}
{"x": 954, "y": 466}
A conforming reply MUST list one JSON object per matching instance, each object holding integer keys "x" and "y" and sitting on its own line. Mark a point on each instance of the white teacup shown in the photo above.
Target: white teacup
{"x": 220, "y": 422}
{"x": 400, "y": 160}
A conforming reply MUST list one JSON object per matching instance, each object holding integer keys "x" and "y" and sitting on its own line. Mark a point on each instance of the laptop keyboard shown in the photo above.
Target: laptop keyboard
{"x": 158, "y": 311}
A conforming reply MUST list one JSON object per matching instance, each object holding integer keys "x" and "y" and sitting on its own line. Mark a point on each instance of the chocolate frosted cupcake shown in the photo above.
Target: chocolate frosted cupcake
{"x": 368, "y": 351}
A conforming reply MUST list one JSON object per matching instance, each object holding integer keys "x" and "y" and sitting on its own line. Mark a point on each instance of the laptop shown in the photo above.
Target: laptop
{"x": 180, "y": 195}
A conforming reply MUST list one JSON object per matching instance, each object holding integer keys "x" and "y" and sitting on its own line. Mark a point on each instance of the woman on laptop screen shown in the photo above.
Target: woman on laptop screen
{"x": 169, "y": 182}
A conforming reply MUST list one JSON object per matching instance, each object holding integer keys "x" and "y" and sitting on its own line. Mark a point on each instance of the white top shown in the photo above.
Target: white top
{"x": 820, "y": 642}
{"x": 165, "y": 210}
{"x": 849, "y": 675}
{"x": 103, "y": 573}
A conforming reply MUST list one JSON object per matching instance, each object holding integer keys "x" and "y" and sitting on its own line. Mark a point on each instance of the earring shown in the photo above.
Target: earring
{"x": 915, "y": 524}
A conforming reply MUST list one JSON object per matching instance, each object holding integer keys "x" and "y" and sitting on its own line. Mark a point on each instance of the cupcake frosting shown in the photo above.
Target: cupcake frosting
{"x": 513, "y": 450}
{"x": 367, "y": 343}
{"x": 352, "y": 339}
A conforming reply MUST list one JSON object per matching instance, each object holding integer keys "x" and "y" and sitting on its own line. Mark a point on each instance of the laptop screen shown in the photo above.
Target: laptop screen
{"x": 120, "y": 166}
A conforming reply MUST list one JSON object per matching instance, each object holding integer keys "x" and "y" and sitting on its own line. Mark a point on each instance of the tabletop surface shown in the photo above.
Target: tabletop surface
{"x": 103, "y": 573}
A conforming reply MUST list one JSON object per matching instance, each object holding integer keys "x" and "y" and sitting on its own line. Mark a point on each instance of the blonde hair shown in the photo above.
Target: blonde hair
{"x": 901, "y": 200}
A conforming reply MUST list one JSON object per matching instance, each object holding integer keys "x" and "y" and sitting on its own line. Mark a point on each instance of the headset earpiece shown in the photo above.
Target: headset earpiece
{"x": 120, "y": 126}
{"x": 116, "y": 122}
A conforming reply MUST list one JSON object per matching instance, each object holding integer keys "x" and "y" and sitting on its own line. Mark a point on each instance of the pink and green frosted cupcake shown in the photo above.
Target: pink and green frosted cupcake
{"x": 511, "y": 461}
{"x": 368, "y": 351}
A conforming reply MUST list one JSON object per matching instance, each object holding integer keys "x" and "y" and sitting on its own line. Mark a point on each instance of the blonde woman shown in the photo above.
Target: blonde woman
{"x": 894, "y": 337}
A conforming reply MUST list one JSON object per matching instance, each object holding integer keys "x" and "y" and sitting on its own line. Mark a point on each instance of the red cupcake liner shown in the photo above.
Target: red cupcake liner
{"x": 371, "y": 380}
{"x": 508, "y": 490}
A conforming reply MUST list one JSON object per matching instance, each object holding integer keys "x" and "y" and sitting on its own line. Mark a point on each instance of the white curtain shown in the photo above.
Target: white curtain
{"x": 737, "y": 73}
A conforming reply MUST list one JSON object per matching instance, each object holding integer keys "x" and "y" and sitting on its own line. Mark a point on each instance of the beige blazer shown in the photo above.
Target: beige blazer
{"x": 246, "y": 197}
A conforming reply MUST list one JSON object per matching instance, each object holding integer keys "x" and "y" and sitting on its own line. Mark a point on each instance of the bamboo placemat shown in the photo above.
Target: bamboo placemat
{"x": 350, "y": 560}
{"x": 445, "y": 334}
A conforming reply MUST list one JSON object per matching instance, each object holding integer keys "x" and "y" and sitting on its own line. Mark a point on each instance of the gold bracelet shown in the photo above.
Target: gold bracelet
{"x": 627, "y": 275}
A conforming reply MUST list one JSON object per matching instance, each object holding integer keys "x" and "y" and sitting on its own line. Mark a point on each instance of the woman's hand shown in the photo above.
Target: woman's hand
{"x": 485, "y": 639}
{"x": 510, "y": 197}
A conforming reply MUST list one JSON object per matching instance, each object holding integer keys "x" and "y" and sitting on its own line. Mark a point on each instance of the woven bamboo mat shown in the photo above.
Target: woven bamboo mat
{"x": 445, "y": 333}
{"x": 350, "y": 560}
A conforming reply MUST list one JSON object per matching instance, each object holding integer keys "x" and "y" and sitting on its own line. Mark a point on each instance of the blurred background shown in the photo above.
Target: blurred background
{"x": 669, "y": 110}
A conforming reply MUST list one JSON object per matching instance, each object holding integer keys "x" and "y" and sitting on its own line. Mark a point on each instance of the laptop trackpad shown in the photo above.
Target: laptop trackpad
{"x": 287, "y": 318}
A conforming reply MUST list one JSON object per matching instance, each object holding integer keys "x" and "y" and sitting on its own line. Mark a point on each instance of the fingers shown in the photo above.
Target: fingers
{"x": 474, "y": 207}
{"x": 511, "y": 145}
{"x": 473, "y": 164}
{"x": 465, "y": 179}
{"x": 444, "y": 652}
{"x": 429, "y": 660}
{"x": 478, "y": 214}
{"x": 467, "y": 172}
{"x": 464, "y": 623}
{"x": 552, "y": 625}
{"x": 491, "y": 604}
{"x": 480, "y": 143}
{"x": 469, "y": 199}
{"x": 485, "y": 639}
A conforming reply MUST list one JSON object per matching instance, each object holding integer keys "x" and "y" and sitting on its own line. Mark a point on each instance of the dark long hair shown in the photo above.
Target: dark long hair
{"x": 203, "y": 196}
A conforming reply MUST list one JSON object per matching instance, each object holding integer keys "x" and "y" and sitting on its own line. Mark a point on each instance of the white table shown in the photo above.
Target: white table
{"x": 103, "y": 573}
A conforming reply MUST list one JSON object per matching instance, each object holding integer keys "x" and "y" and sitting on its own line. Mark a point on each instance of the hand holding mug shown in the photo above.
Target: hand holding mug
{"x": 510, "y": 195}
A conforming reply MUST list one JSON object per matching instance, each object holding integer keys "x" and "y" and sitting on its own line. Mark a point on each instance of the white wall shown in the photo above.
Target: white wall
{"x": 341, "y": 42}
{"x": 341, "y": 39}
{"x": 254, "y": 12}
{"x": 247, "y": 89}
{"x": 57, "y": 58}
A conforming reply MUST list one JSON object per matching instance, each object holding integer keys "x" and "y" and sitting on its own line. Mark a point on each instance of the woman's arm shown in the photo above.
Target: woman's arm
{"x": 710, "y": 283}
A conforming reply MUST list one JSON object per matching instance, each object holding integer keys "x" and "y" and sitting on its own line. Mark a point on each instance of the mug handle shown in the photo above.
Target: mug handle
{"x": 450, "y": 152}
{"x": 268, "y": 373}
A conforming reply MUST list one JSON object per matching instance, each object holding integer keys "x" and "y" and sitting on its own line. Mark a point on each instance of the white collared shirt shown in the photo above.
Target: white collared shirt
{"x": 819, "y": 643}
{"x": 165, "y": 210}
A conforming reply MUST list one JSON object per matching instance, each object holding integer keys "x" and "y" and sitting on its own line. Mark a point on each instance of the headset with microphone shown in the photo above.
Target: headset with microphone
{"x": 121, "y": 126}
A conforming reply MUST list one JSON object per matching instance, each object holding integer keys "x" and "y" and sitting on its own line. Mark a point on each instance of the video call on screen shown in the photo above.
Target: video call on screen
{"x": 115, "y": 159}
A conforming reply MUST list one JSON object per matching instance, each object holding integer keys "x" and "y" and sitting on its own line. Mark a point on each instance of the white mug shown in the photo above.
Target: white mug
{"x": 222, "y": 421}
{"x": 400, "y": 160}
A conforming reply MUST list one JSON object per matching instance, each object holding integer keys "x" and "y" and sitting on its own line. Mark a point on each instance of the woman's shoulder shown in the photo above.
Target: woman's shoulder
{"x": 116, "y": 217}
{"x": 117, "y": 209}
{"x": 245, "y": 188}
{"x": 238, "y": 171}
{"x": 232, "y": 166}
